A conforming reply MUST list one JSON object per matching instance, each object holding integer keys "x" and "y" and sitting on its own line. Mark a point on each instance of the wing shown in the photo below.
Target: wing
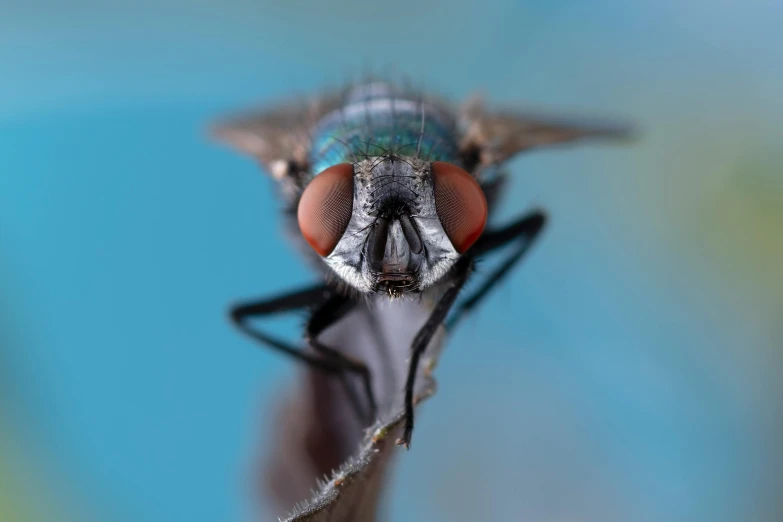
{"x": 490, "y": 138}
{"x": 278, "y": 137}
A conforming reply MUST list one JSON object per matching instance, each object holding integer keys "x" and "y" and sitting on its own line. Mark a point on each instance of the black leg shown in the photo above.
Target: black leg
{"x": 523, "y": 231}
{"x": 328, "y": 307}
{"x": 460, "y": 274}
{"x": 327, "y": 314}
{"x": 298, "y": 300}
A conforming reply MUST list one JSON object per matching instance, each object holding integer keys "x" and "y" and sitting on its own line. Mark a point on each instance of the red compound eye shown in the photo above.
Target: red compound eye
{"x": 460, "y": 204}
{"x": 325, "y": 208}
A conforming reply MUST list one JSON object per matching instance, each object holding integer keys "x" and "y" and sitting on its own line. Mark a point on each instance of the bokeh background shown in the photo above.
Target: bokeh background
{"x": 629, "y": 371}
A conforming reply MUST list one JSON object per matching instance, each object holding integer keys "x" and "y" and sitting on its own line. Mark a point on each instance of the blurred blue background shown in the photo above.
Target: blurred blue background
{"x": 628, "y": 371}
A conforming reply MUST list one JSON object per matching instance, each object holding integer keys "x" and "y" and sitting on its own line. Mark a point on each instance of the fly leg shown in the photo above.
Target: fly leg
{"x": 524, "y": 232}
{"x": 297, "y": 300}
{"x": 460, "y": 273}
{"x": 326, "y": 315}
{"x": 321, "y": 299}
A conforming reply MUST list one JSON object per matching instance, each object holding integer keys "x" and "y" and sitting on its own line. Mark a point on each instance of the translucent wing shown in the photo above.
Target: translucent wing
{"x": 489, "y": 138}
{"x": 279, "y": 137}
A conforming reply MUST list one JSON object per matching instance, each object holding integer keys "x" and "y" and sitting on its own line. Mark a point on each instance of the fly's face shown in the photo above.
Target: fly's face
{"x": 392, "y": 224}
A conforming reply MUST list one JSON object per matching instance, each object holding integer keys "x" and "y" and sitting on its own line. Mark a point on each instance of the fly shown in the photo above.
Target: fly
{"x": 392, "y": 191}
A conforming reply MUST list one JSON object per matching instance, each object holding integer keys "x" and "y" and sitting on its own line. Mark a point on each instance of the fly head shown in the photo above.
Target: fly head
{"x": 392, "y": 224}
